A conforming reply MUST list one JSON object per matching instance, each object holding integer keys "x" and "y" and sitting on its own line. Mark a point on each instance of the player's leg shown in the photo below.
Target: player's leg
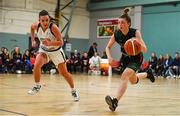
{"x": 59, "y": 59}
{"x": 138, "y": 76}
{"x": 68, "y": 77}
{"x": 113, "y": 102}
{"x": 41, "y": 59}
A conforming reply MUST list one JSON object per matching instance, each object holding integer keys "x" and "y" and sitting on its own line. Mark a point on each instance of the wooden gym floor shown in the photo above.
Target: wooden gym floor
{"x": 145, "y": 98}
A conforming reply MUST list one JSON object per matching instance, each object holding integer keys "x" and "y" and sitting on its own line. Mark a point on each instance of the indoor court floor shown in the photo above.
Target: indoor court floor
{"x": 145, "y": 98}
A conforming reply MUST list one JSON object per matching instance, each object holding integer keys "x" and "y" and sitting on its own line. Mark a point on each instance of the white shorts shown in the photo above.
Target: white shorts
{"x": 56, "y": 56}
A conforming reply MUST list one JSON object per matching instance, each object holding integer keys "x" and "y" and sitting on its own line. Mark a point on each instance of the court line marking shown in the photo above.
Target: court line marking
{"x": 13, "y": 112}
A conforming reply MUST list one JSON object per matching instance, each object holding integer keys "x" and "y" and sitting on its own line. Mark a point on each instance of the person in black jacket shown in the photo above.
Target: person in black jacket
{"x": 176, "y": 64}
{"x": 92, "y": 49}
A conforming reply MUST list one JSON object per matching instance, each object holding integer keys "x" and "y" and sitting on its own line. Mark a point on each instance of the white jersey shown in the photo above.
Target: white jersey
{"x": 55, "y": 53}
{"x": 47, "y": 34}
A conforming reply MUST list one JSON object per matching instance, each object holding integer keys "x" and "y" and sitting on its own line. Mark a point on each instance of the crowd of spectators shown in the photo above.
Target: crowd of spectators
{"x": 164, "y": 66}
{"x": 16, "y": 62}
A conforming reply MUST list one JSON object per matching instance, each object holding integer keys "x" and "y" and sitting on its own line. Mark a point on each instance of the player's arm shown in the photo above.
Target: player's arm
{"x": 59, "y": 40}
{"x": 143, "y": 45}
{"x": 33, "y": 29}
{"x": 108, "y": 48}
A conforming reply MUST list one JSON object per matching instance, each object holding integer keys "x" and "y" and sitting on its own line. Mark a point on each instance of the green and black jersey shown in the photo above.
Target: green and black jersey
{"x": 133, "y": 62}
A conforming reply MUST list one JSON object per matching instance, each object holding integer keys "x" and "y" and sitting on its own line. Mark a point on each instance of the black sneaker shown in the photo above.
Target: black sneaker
{"x": 113, "y": 103}
{"x": 150, "y": 75}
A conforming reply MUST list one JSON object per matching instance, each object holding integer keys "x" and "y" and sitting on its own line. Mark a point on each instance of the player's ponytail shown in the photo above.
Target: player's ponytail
{"x": 126, "y": 16}
{"x": 53, "y": 20}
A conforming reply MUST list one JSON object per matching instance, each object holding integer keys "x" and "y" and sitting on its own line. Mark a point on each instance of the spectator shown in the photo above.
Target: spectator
{"x": 94, "y": 62}
{"x": 92, "y": 50}
{"x": 176, "y": 65}
{"x": 17, "y": 60}
{"x": 167, "y": 66}
{"x": 77, "y": 62}
{"x": 32, "y": 58}
{"x": 104, "y": 56}
{"x": 26, "y": 62}
{"x": 46, "y": 68}
{"x": 1, "y": 62}
{"x": 160, "y": 68}
{"x": 85, "y": 62}
{"x": 2, "y": 50}
{"x": 1, "y": 57}
{"x": 70, "y": 62}
{"x": 6, "y": 60}
{"x": 153, "y": 61}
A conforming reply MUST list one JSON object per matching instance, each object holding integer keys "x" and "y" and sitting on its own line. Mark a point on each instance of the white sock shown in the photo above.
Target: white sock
{"x": 37, "y": 83}
{"x": 73, "y": 89}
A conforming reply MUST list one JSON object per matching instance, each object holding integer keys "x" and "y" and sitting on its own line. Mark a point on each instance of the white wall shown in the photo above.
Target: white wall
{"x": 16, "y": 16}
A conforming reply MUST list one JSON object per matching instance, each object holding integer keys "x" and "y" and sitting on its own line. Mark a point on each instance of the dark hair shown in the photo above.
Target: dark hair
{"x": 43, "y": 13}
{"x": 53, "y": 20}
{"x": 126, "y": 16}
{"x": 95, "y": 43}
{"x": 177, "y": 53}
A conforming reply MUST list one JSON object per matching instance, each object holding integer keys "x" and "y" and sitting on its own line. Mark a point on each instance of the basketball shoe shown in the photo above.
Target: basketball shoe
{"x": 75, "y": 95}
{"x": 150, "y": 75}
{"x": 113, "y": 103}
{"x": 34, "y": 90}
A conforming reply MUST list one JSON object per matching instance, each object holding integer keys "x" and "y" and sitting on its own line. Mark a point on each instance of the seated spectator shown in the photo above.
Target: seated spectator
{"x": 153, "y": 61}
{"x": 77, "y": 62}
{"x": 70, "y": 62}
{"x": 74, "y": 62}
{"x": 160, "y": 68}
{"x": 85, "y": 62}
{"x": 26, "y": 62}
{"x": 17, "y": 61}
{"x": 1, "y": 63}
{"x": 32, "y": 58}
{"x": 46, "y": 68}
{"x": 176, "y": 65}
{"x": 6, "y": 60}
{"x": 94, "y": 63}
{"x": 167, "y": 66}
{"x": 104, "y": 56}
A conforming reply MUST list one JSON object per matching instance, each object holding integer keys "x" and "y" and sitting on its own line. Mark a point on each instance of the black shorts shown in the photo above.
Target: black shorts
{"x": 132, "y": 62}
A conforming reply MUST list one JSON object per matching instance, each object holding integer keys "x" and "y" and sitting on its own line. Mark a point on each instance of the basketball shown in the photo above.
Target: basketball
{"x": 132, "y": 47}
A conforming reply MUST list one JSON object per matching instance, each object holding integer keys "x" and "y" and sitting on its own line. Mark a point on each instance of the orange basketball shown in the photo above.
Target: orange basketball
{"x": 132, "y": 47}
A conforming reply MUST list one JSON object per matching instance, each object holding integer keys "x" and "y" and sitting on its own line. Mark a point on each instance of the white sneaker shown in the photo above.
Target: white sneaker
{"x": 174, "y": 76}
{"x": 75, "y": 95}
{"x": 34, "y": 90}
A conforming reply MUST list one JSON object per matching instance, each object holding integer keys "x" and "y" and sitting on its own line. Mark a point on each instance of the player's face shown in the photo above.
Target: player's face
{"x": 44, "y": 20}
{"x": 123, "y": 24}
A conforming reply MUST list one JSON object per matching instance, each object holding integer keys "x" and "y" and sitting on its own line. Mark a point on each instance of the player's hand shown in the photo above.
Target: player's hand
{"x": 46, "y": 41}
{"x": 33, "y": 43}
{"x": 114, "y": 63}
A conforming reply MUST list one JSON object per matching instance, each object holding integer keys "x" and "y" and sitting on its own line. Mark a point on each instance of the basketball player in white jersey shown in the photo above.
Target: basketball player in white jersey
{"x": 50, "y": 48}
